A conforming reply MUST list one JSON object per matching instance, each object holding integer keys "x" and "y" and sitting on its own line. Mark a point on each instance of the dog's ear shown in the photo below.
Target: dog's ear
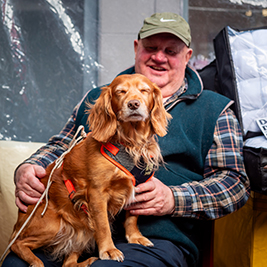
{"x": 159, "y": 116}
{"x": 102, "y": 119}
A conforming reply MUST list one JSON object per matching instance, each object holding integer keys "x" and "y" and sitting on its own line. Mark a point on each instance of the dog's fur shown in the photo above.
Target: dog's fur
{"x": 129, "y": 111}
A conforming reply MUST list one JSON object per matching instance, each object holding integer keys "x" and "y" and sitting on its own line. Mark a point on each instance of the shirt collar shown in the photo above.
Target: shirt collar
{"x": 178, "y": 93}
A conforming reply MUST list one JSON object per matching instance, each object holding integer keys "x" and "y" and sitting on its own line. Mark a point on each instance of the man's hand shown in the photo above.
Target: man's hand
{"x": 28, "y": 186}
{"x": 152, "y": 198}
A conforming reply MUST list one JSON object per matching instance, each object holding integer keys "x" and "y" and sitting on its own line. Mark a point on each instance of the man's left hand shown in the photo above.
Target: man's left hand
{"x": 152, "y": 198}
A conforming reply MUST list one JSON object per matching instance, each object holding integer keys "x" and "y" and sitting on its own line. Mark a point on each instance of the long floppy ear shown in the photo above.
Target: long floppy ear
{"x": 102, "y": 119}
{"x": 159, "y": 116}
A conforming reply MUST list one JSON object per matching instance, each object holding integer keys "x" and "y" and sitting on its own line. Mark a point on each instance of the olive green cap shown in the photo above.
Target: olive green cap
{"x": 166, "y": 22}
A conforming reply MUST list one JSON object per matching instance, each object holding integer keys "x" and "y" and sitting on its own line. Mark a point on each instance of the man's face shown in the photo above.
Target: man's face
{"x": 162, "y": 58}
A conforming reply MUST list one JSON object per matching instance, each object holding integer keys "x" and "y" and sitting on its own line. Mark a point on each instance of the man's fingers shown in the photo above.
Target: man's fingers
{"x": 36, "y": 187}
{"x": 29, "y": 188}
{"x": 145, "y": 197}
{"x": 28, "y": 195}
{"x": 144, "y": 187}
{"x": 145, "y": 212}
{"x": 40, "y": 171}
{"x": 20, "y": 205}
{"x": 152, "y": 198}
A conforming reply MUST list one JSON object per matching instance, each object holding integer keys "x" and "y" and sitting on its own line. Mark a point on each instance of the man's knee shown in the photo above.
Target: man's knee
{"x": 106, "y": 263}
{"x": 12, "y": 260}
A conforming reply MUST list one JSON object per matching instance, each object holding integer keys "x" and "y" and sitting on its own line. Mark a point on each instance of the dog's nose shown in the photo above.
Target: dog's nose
{"x": 133, "y": 104}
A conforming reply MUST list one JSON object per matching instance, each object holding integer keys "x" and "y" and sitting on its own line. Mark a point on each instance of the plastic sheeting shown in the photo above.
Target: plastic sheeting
{"x": 44, "y": 64}
{"x": 249, "y": 54}
{"x": 250, "y": 2}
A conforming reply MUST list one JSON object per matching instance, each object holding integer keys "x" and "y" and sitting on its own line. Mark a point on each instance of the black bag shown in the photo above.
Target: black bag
{"x": 220, "y": 76}
{"x": 255, "y": 160}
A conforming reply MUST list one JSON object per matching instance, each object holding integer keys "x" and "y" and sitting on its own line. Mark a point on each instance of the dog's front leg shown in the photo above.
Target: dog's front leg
{"x": 133, "y": 235}
{"x": 22, "y": 249}
{"x": 72, "y": 261}
{"x": 102, "y": 234}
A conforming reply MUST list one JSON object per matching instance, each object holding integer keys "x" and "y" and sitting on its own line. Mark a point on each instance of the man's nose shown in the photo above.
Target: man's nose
{"x": 159, "y": 56}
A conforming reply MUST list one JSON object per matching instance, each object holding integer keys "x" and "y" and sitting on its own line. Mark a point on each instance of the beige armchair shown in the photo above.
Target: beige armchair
{"x": 12, "y": 153}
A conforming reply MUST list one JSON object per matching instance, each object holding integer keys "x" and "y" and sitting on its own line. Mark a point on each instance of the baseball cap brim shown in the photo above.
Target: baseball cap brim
{"x": 163, "y": 30}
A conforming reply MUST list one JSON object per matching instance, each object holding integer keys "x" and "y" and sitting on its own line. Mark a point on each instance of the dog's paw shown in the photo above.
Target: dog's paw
{"x": 37, "y": 264}
{"x": 72, "y": 263}
{"x": 141, "y": 240}
{"x": 112, "y": 254}
{"x": 90, "y": 261}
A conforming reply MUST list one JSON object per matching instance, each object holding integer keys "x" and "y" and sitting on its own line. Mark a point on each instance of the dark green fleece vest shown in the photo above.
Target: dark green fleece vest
{"x": 184, "y": 148}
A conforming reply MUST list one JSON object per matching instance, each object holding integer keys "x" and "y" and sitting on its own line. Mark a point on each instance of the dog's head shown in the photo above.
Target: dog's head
{"x": 129, "y": 100}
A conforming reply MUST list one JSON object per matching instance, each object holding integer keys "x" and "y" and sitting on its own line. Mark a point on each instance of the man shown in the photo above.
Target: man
{"x": 204, "y": 176}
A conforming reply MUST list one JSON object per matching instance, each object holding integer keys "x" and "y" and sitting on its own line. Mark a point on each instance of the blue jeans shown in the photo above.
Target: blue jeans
{"x": 163, "y": 254}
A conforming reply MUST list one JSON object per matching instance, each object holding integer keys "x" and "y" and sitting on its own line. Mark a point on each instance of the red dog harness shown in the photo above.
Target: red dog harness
{"x": 120, "y": 158}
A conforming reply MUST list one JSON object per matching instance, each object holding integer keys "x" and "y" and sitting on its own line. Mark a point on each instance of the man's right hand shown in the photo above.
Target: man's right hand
{"x": 28, "y": 186}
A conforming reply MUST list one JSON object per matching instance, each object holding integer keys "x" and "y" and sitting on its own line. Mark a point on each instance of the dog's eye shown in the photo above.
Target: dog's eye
{"x": 144, "y": 91}
{"x": 121, "y": 92}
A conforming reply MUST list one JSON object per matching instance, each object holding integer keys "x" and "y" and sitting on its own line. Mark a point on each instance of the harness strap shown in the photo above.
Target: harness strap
{"x": 111, "y": 148}
{"x": 124, "y": 162}
{"x": 70, "y": 187}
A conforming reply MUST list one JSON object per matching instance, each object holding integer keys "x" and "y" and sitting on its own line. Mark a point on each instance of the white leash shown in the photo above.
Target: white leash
{"x": 58, "y": 163}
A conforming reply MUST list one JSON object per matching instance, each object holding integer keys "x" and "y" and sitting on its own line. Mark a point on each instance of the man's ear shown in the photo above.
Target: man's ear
{"x": 188, "y": 54}
{"x": 135, "y": 46}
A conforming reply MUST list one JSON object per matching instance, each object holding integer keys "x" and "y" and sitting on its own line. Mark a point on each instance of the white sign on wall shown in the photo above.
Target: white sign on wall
{"x": 263, "y": 125}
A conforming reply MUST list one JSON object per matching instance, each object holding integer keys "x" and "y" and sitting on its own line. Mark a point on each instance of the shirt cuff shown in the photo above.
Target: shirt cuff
{"x": 183, "y": 202}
